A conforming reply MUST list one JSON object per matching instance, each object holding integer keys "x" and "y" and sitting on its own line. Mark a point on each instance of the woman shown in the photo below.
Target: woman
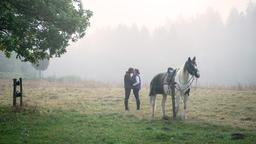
{"x": 128, "y": 86}
{"x": 136, "y": 86}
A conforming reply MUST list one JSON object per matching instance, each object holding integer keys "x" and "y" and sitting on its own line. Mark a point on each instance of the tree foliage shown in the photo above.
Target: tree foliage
{"x": 39, "y": 29}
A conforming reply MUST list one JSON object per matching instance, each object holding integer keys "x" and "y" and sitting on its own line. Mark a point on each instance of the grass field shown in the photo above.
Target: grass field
{"x": 64, "y": 113}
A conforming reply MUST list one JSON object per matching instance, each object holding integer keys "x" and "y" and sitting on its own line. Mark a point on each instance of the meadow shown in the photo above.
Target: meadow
{"x": 89, "y": 112}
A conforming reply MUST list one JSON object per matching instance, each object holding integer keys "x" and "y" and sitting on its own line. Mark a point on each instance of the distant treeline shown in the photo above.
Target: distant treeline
{"x": 225, "y": 50}
{"x": 13, "y": 68}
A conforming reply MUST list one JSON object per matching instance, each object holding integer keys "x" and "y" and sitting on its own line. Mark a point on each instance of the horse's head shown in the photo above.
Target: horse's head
{"x": 191, "y": 67}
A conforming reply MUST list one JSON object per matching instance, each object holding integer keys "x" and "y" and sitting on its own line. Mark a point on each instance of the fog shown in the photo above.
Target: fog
{"x": 225, "y": 48}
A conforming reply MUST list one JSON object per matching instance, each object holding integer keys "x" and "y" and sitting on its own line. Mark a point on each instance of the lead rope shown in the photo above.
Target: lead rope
{"x": 187, "y": 85}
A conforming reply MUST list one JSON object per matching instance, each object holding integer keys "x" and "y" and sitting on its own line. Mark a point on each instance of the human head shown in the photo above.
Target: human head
{"x": 130, "y": 70}
{"x": 137, "y": 71}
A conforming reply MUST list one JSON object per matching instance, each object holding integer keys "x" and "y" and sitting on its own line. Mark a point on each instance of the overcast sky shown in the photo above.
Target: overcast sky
{"x": 154, "y": 13}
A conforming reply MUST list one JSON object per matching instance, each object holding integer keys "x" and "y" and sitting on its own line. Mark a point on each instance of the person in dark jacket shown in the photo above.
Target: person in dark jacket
{"x": 136, "y": 86}
{"x": 128, "y": 86}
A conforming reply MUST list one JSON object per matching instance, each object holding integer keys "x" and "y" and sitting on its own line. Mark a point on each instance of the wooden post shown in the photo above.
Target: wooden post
{"x": 14, "y": 92}
{"x": 20, "y": 91}
{"x": 173, "y": 102}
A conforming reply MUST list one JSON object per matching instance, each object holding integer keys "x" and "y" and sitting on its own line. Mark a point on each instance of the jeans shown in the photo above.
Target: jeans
{"x": 136, "y": 94}
{"x": 127, "y": 95}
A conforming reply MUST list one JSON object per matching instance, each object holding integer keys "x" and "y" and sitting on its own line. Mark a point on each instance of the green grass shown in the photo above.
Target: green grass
{"x": 81, "y": 113}
{"x": 31, "y": 125}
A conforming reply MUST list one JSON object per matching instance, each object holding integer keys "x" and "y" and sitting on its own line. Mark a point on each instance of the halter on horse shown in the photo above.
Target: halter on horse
{"x": 183, "y": 79}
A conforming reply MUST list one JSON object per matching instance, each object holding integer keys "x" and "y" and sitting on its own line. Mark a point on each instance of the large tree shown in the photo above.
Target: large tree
{"x": 39, "y": 29}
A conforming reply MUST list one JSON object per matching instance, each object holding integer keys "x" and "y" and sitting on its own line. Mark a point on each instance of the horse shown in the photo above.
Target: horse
{"x": 179, "y": 80}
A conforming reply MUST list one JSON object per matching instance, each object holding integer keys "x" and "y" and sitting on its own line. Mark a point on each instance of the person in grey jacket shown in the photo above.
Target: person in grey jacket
{"x": 128, "y": 86}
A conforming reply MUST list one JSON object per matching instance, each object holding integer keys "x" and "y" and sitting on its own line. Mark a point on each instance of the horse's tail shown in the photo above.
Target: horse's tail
{"x": 152, "y": 92}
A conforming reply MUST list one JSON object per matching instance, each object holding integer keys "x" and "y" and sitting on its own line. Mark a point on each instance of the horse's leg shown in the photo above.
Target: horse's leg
{"x": 153, "y": 104}
{"x": 163, "y": 105}
{"x": 185, "y": 106}
{"x": 177, "y": 103}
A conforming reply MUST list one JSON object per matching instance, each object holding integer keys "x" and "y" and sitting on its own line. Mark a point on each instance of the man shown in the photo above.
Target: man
{"x": 136, "y": 86}
{"x": 128, "y": 86}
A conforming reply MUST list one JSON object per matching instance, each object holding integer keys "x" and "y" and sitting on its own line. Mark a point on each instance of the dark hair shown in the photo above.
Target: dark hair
{"x": 137, "y": 71}
{"x": 130, "y": 70}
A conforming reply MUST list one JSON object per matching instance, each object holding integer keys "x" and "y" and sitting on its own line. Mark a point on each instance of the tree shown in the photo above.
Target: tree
{"x": 39, "y": 29}
{"x": 41, "y": 66}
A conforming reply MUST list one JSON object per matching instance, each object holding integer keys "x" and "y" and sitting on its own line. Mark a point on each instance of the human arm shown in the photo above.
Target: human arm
{"x": 137, "y": 81}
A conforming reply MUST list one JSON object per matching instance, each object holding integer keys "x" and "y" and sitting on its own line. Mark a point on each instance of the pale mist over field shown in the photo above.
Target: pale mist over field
{"x": 155, "y": 34}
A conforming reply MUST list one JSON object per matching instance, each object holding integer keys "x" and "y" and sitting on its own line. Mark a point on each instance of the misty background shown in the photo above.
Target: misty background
{"x": 225, "y": 51}
{"x": 225, "y": 48}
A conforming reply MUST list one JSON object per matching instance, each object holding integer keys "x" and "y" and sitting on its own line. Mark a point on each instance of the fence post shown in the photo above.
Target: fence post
{"x": 173, "y": 102}
{"x": 21, "y": 94}
{"x": 15, "y": 92}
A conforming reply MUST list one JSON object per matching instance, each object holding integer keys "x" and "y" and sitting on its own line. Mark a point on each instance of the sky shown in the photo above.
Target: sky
{"x": 154, "y": 13}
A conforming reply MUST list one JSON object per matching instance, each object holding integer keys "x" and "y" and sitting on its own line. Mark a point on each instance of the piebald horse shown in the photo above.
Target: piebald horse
{"x": 178, "y": 87}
